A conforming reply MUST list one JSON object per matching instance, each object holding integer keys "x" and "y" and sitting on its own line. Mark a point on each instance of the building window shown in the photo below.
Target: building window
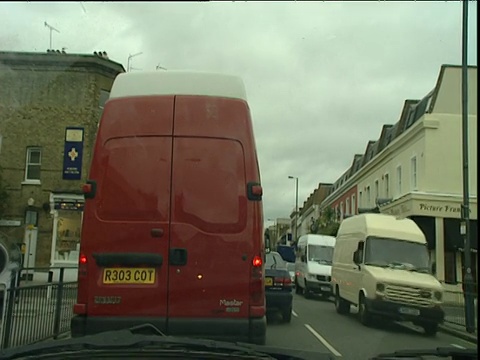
{"x": 368, "y": 197}
{"x": 399, "y": 180}
{"x": 347, "y": 207}
{"x": 354, "y": 205}
{"x": 387, "y": 186}
{"x": 376, "y": 190}
{"x": 360, "y": 199}
{"x": 34, "y": 160}
{"x": 414, "y": 172}
{"x": 341, "y": 211}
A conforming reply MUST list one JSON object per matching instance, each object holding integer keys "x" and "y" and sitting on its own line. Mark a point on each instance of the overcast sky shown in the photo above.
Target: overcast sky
{"x": 321, "y": 78}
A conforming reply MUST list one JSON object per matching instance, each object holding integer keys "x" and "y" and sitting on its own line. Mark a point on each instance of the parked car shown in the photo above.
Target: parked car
{"x": 278, "y": 286}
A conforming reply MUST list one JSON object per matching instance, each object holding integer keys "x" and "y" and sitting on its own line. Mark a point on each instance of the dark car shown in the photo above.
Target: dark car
{"x": 278, "y": 286}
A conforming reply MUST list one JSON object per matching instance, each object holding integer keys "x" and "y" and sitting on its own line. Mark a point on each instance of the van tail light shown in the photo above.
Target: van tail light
{"x": 89, "y": 189}
{"x": 257, "y": 288}
{"x": 81, "y": 306}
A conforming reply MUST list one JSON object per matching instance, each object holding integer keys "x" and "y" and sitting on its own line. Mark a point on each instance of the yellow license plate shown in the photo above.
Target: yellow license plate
{"x": 268, "y": 281}
{"x": 129, "y": 275}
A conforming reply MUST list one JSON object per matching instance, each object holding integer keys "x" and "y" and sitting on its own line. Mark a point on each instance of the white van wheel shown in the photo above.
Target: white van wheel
{"x": 363, "y": 313}
{"x": 298, "y": 290}
{"x": 306, "y": 292}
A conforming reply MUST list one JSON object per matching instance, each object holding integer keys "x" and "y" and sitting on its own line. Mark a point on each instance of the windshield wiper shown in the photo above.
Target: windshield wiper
{"x": 423, "y": 270}
{"x": 454, "y": 353}
{"x": 379, "y": 264}
{"x": 137, "y": 338}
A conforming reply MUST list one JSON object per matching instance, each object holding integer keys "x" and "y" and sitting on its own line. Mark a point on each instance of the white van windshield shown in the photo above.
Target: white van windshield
{"x": 320, "y": 253}
{"x": 386, "y": 252}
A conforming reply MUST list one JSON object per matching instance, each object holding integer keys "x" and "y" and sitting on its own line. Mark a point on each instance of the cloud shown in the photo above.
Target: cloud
{"x": 322, "y": 77}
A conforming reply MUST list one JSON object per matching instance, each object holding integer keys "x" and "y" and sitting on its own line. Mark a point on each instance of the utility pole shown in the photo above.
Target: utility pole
{"x": 129, "y": 60}
{"x": 51, "y": 28}
{"x": 465, "y": 222}
{"x": 275, "y": 232}
{"x": 296, "y": 208}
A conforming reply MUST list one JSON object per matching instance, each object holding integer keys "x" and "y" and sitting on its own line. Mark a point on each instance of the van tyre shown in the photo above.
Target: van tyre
{"x": 430, "y": 329}
{"x": 298, "y": 290}
{"x": 306, "y": 292}
{"x": 287, "y": 315}
{"x": 363, "y": 314}
{"x": 342, "y": 306}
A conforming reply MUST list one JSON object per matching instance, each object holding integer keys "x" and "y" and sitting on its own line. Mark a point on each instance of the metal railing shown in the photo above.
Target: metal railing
{"x": 454, "y": 304}
{"x": 36, "y": 312}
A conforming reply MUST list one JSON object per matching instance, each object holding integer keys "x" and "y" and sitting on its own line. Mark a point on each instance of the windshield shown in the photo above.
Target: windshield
{"x": 153, "y": 153}
{"x": 396, "y": 253}
{"x": 320, "y": 253}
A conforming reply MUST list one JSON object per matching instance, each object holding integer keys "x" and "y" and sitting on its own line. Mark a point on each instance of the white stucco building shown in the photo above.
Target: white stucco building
{"x": 415, "y": 170}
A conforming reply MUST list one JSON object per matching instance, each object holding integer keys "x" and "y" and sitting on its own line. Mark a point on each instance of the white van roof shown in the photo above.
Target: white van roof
{"x": 150, "y": 83}
{"x": 315, "y": 239}
{"x": 382, "y": 225}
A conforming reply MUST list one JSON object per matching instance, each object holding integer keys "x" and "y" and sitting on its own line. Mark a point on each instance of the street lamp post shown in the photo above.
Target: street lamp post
{"x": 465, "y": 223}
{"x": 296, "y": 208}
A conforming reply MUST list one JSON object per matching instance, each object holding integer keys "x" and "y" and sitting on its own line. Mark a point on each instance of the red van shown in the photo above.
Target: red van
{"x": 173, "y": 224}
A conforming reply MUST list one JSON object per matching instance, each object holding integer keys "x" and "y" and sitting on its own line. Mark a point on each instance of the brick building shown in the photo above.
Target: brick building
{"x": 50, "y": 106}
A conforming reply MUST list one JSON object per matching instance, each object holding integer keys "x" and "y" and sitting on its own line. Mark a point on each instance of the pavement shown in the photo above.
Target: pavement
{"x": 316, "y": 326}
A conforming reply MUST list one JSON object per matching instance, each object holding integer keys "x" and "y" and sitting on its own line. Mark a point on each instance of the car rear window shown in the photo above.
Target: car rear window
{"x": 275, "y": 259}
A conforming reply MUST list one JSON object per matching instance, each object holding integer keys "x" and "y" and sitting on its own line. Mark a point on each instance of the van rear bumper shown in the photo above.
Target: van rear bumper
{"x": 251, "y": 330}
{"x": 393, "y": 310}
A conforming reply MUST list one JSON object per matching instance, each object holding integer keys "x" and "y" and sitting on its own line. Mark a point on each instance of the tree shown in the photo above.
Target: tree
{"x": 3, "y": 195}
{"x": 326, "y": 224}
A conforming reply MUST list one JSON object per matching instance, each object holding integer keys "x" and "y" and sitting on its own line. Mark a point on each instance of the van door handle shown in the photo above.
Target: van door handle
{"x": 177, "y": 257}
{"x": 157, "y": 232}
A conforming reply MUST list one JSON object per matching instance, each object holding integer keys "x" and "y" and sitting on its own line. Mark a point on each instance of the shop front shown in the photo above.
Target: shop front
{"x": 439, "y": 217}
{"x": 67, "y": 211}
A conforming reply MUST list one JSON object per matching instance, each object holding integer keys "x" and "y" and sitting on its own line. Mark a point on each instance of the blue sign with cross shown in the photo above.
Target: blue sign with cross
{"x": 73, "y": 153}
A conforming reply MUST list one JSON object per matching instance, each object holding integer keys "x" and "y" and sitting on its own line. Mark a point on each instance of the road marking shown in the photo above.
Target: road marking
{"x": 323, "y": 341}
{"x": 458, "y": 346}
{"x": 294, "y": 313}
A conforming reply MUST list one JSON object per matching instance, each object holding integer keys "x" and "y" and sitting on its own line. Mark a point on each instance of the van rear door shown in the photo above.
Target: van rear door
{"x": 127, "y": 228}
{"x": 213, "y": 225}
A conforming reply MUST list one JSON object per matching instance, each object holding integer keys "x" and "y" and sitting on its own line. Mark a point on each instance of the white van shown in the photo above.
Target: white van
{"x": 381, "y": 265}
{"x": 313, "y": 265}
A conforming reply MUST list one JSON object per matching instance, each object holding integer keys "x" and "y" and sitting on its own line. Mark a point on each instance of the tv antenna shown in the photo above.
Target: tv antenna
{"x": 51, "y": 28}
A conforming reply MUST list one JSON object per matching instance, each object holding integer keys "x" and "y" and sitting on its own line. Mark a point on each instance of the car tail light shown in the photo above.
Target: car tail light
{"x": 282, "y": 281}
